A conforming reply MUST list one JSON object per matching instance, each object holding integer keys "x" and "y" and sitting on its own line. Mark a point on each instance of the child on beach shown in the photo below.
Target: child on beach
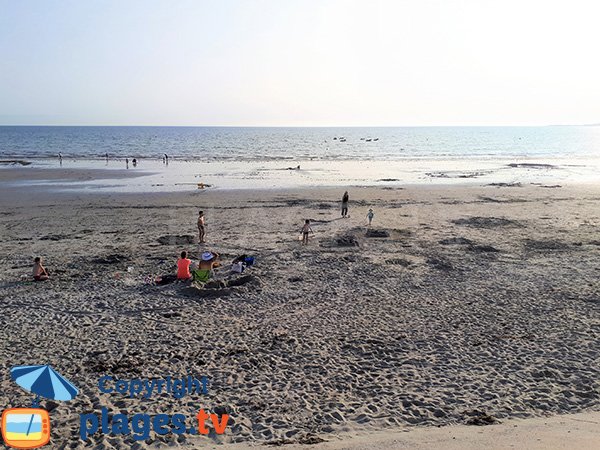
{"x": 183, "y": 267}
{"x": 370, "y": 215}
{"x": 201, "y": 230}
{"x": 305, "y": 230}
{"x": 39, "y": 271}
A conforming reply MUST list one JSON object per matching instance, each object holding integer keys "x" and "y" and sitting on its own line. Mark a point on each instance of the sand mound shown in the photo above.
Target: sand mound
{"x": 486, "y": 222}
{"x": 176, "y": 240}
{"x": 347, "y": 240}
{"x": 546, "y": 245}
{"x": 456, "y": 241}
{"x": 398, "y": 262}
{"x": 483, "y": 249}
{"x": 440, "y": 264}
{"x": 220, "y": 288}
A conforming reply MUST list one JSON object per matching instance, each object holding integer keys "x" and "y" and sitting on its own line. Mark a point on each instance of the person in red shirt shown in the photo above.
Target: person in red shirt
{"x": 183, "y": 267}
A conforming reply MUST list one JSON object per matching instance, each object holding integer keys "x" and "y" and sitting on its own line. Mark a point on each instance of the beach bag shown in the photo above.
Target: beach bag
{"x": 237, "y": 267}
{"x": 249, "y": 260}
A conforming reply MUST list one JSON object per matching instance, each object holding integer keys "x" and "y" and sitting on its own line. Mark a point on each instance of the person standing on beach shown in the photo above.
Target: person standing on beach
{"x": 201, "y": 230}
{"x": 345, "y": 204}
{"x": 305, "y": 230}
{"x": 370, "y": 215}
{"x": 60, "y": 158}
{"x": 127, "y": 162}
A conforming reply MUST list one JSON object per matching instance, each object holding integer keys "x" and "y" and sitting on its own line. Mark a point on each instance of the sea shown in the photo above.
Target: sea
{"x": 238, "y": 157}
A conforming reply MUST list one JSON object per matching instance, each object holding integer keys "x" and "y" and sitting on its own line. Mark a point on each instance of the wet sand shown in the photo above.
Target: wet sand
{"x": 474, "y": 304}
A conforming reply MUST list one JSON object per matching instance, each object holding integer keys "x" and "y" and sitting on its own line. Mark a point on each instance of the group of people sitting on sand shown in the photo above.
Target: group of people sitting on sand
{"x": 201, "y": 271}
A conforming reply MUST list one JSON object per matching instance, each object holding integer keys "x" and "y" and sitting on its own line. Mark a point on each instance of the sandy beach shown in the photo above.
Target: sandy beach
{"x": 562, "y": 432}
{"x": 463, "y": 307}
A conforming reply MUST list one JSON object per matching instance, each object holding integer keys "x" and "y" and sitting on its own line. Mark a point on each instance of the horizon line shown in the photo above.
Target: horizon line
{"x": 296, "y": 126}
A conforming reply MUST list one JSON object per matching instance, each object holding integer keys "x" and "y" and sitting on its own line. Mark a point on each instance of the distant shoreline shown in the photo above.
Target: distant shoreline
{"x": 152, "y": 175}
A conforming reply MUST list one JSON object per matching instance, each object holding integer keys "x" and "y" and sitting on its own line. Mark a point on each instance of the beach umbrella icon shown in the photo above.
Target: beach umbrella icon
{"x": 43, "y": 381}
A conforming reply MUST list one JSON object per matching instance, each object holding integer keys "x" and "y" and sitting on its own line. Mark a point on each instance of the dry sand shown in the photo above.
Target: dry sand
{"x": 481, "y": 304}
{"x": 565, "y": 432}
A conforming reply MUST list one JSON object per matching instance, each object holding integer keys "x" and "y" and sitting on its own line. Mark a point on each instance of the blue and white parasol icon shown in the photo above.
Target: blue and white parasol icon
{"x": 43, "y": 381}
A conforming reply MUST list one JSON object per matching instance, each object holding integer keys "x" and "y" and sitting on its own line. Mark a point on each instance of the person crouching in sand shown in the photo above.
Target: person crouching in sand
{"x": 201, "y": 229}
{"x": 39, "y": 271}
{"x": 305, "y": 230}
{"x": 183, "y": 267}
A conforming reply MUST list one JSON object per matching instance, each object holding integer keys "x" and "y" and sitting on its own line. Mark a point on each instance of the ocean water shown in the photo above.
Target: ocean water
{"x": 263, "y": 144}
{"x": 228, "y": 157}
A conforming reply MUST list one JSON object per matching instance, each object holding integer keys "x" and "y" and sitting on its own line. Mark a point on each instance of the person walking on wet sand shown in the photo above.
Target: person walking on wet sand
{"x": 201, "y": 229}
{"x": 305, "y": 230}
{"x": 345, "y": 204}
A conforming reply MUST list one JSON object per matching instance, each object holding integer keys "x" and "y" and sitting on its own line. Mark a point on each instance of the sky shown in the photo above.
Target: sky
{"x": 299, "y": 62}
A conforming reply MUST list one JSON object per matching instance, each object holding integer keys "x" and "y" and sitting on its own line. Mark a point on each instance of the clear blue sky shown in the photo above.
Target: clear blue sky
{"x": 299, "y": 62}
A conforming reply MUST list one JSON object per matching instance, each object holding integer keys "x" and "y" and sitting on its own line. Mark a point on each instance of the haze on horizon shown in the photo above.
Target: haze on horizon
{"x": 299, "y": 62}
